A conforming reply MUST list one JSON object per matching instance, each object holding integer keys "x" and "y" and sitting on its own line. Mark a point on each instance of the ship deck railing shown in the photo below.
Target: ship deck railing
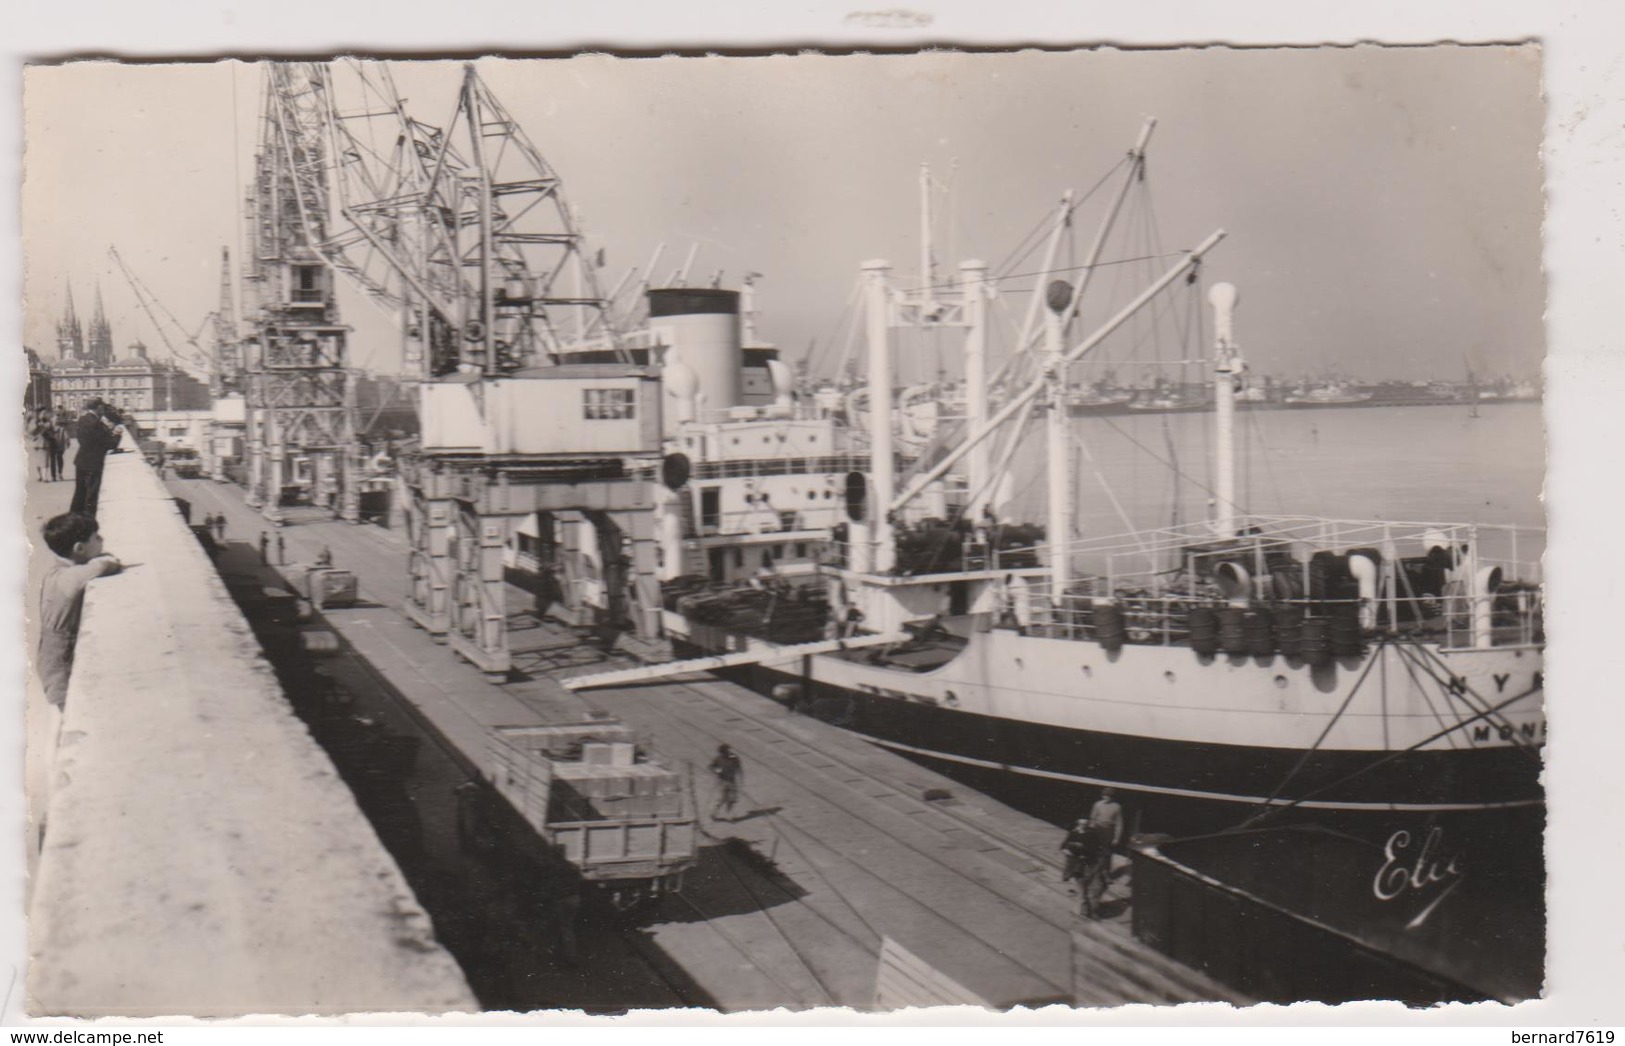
{"x": 750, "y": 468}
{"x": 1147, "y": 619}
{"x": 761, "y": 412}
{"x": 1516, "y": 550}
{"x": 805, "y": 525}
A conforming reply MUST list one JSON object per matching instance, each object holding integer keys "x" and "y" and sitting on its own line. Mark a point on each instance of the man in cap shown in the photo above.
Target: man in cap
{"x": 96, "y": 438}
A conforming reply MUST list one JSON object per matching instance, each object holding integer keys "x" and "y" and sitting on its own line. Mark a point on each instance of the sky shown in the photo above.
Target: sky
{"x": 1383, "y": 205}
{"x": 175, "y": 161}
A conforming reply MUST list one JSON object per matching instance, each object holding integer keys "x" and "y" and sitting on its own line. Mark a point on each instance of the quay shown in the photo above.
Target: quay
{"x": 201, "y": 856}
{"x": 838, "y": 857}
{"x": 850, "y": 878}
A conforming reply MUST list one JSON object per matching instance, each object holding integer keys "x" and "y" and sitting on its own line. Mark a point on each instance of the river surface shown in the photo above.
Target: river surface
{"x": 1414, "y": 464}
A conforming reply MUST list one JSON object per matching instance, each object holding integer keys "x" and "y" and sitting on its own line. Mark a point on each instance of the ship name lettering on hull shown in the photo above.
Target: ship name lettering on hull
{"x": 1407, "y": 868}
{"x": 1526, "y": 731}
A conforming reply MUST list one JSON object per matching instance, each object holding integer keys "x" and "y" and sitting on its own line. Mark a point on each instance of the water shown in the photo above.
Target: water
{"x": 1383, "y": 463}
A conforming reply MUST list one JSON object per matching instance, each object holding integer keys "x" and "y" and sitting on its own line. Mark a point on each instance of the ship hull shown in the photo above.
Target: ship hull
{"x": 1181, "y": 772}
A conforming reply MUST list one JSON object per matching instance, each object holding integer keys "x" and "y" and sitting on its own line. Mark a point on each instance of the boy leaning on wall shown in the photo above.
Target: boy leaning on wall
{"x": 76, "y": 543}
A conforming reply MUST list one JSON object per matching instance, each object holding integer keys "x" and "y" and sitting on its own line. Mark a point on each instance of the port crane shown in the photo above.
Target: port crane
{"x": 194, "y": 354}
{"x": 299, "y": 387}
{"x": 531, "y": 397}
{"x": 226, "y": 376}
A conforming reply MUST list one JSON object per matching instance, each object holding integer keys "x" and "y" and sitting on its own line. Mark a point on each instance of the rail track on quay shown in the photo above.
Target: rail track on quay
{"x": 837, "y": 847}
{"x": 1115, "y": 970}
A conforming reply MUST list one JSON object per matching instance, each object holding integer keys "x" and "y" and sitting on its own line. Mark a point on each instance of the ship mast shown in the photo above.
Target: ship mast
{"x": 880, "y": 412}
{"x": 1228, "y": 366}
{"x": 928, "y": 269}
{"x": 978, "y": 475}
{"x": 1020, "y": 401}
{"x": 1057, "y": 299}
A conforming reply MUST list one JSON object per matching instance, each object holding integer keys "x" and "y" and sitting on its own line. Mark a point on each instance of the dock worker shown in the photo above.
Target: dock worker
{"x": 730, "y": 772}
{"x": 220, "y": 527}
{"x": 1107, "y": 815}
{"x": 1088, "y": 860}
{"x": 281, "y": 550}
{"x": 324, "y": 558}
{"x": 265, "y": 547}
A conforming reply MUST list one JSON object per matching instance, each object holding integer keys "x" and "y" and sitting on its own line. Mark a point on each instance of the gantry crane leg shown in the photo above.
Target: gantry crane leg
{"x": 430, "y": 528}
{"x": 479, "y": 609}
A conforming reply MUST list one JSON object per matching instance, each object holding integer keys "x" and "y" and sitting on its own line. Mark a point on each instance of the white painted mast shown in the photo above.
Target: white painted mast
{"x": 1227, "y": 368}
{"x": 973, "y": 283}
{"x": 928, "y": 269}
{"x": 881, "y": 478}
{"x": 1057, "y": 298}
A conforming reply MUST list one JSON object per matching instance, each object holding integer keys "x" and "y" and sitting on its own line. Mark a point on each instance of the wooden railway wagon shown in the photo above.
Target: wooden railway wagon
{"x": 595, "y": 798}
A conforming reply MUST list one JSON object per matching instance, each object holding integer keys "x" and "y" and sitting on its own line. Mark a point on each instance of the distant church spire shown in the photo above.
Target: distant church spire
{"x": 100, "y": 339}
{"x": 70, "y": 336}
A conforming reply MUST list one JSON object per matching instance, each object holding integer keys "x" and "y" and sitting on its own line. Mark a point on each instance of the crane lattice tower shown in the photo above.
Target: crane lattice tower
{"x": 299, "y": 389}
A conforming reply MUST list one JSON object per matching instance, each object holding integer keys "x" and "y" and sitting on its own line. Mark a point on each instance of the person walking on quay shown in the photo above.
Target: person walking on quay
{"x": 61, "y": 434}
{"x": 76, "y": 543}
{"x": 265, "y": 548}
{"x": 1088, "y": 861}
{"x": 220, "y": 527}
{"x": 281, "y": 550}
{"x": 730, "y": 773}
{"x": 47, "y": 440}
{"x": 96, "y": 438}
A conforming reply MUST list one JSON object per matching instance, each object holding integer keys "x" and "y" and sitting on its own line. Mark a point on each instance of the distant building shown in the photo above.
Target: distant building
{"x": 70, "y": 334}
{"x": 134, "y": 383}
{"x": 99, "y": 337}
{"x": 223, "y": 453}
{"x": 74, "y": 346}
{"x": 175, "y": 428}
{"x": 38, "y": 391}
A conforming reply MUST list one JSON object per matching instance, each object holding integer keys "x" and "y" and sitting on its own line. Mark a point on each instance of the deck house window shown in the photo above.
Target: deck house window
{"x": 608, "y": 405}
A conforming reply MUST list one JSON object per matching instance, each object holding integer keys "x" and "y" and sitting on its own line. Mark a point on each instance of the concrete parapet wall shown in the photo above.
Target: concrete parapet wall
{"x": 202, "y": 856}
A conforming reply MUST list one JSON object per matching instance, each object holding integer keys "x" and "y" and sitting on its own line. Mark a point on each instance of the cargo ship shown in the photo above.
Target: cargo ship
{"x": 1371, "y": 674}
{"x": 1215, "y": 673}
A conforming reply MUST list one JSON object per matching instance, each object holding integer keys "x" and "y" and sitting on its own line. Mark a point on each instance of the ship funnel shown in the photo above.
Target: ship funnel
{"x": 703, "y": 324}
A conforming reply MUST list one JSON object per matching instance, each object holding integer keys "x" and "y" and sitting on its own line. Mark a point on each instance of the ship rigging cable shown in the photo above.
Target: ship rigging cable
{"x": 1423, "y": 743}
{"x": 1023, "y": 248}
{"x": 1337, "y": 717}
{"x": 1470, "y": 698}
